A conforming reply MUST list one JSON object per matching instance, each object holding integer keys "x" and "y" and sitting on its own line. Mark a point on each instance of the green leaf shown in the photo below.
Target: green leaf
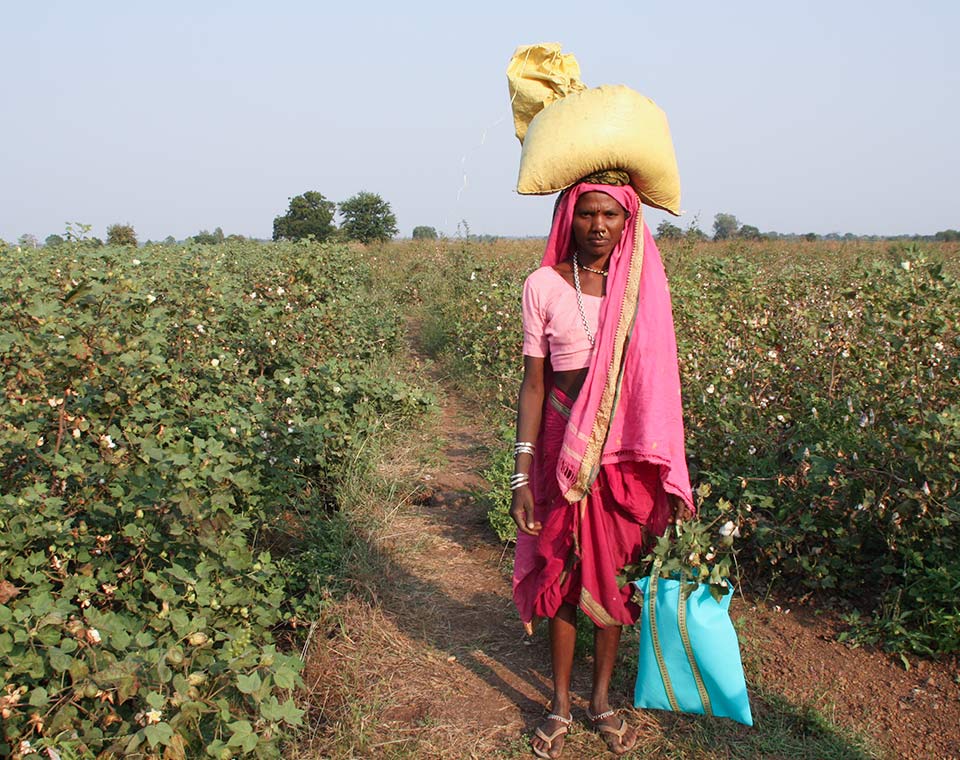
{"x": 144, "y": 639}
{"x": 219, "y": 749}
{"x": 242, "y": 735}
{"x": 285, "y": 677}
{"x": 58, "y": 659}
{"x": 127, "y": 687}
{"x": 78, "y": 670}
{"x": 158, "y": 733}
{"x": 120, "y": 640}
{"x": 38, "y": 697}
{"x": 248, "y": 684}
{"x": 291, "y": 714}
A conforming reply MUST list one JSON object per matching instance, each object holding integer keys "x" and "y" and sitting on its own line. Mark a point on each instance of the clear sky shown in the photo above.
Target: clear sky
{"x": 819, "y": 116}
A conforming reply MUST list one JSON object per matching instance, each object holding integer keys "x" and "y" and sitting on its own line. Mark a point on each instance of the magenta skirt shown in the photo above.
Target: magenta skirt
{"x": 583, "y": 548}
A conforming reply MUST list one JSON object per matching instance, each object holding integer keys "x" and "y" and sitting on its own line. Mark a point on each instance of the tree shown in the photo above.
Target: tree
{"x": 209, "y": 238}
{"x": 749, "y": 232}
{"x": 53, "y": 241}
{"x": 668, "y": 231}
{"x": 308, "y": 214}
{"x": 367, "y": 217}
{"x": 724, "y": 226}
{"x": 78, "y": 232}
{"x": 693, "y": 233}
{"x": 169, "y": 240}
{"x": 27, "y": 241}
{"x": 121, "y": 234}
{"x": 424, "y": 233}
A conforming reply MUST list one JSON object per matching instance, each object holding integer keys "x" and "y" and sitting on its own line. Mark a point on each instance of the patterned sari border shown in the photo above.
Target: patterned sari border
{"x": 595, "y": 610}
{"x": 559, "y": 406}
{"x": 590, "y": 464}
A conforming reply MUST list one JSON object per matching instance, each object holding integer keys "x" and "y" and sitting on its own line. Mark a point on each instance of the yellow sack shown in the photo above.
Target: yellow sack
{"x": 538, "y": 75}
{"x": 589, "y": 130}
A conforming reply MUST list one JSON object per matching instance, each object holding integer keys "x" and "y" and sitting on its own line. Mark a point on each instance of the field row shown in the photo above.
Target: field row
{"x": 176, "y": 424}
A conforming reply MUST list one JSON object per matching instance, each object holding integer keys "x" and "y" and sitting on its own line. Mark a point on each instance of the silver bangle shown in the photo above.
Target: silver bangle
{"x": 523, "y": 447}
{"x": 519, "y": 480}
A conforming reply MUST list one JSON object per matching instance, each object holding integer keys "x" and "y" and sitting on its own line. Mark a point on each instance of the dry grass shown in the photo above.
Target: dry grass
{"x": 373, "y": 691}
{"x": 376, "y": 683}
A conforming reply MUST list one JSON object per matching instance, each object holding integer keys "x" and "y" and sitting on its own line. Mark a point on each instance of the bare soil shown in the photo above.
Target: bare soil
{"x": 432, "y": 661}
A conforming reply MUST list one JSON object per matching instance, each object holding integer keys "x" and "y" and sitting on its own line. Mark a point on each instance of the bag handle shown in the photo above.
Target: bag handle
{"x": 684, "y": 637}
{"x": 655, "y": 636}
{"x": 688, "y": 648}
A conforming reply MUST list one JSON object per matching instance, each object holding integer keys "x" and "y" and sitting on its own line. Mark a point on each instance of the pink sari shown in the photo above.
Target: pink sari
{"x": 605, "y": 464}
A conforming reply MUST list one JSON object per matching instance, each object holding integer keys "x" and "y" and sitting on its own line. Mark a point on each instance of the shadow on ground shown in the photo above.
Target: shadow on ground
{"x": 436, "y": 665}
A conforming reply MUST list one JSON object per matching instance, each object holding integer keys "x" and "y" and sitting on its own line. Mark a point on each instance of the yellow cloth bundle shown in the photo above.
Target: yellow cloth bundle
{"x": 568, "y": 131}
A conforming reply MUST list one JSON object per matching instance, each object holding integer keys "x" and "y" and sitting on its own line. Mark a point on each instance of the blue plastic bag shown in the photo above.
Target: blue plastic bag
{"x": 689, "y": 658}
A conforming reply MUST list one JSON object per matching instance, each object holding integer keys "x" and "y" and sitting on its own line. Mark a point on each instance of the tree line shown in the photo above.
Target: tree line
{"x": 120, "y": 235}
{"x": 366, "y": 218}
{"x": 728, "y": 227}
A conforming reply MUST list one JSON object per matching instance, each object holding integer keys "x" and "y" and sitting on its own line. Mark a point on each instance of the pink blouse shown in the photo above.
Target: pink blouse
{"x": 551, "y": 320}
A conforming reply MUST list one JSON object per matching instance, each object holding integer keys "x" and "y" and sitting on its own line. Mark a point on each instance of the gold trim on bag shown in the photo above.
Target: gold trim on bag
{"x": 688, "y": 648}
{"x": 655, "y": 636}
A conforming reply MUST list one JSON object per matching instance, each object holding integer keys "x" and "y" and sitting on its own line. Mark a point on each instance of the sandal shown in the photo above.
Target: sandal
{"x": 612, "y": 736}
{"x": 551, "y": 738}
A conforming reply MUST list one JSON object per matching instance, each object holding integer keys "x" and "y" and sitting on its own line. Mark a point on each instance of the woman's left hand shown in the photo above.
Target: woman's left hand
{"x": 681, "y": 511}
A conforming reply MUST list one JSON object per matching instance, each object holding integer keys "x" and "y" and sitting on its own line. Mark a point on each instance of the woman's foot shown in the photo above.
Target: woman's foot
{"x": 548, "y": 739}
{"x": 619, "y": 736}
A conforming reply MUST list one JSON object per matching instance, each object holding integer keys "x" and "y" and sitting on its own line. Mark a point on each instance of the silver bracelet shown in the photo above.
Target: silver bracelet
{"x": 519, "y": 480}
{"x": 523, "y": 447}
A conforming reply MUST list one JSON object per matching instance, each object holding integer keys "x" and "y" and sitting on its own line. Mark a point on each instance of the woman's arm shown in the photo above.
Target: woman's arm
{"x": 529, "y": 409}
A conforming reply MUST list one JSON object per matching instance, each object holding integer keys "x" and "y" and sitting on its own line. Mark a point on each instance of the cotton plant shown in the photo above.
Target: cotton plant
{"x": 700, "y": 550}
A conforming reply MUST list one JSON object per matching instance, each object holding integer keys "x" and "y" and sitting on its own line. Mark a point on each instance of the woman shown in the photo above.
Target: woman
{"x": 600, "y": 466}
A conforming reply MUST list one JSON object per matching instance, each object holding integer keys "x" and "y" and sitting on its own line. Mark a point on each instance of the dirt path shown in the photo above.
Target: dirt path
{"x": 437, "y": 666}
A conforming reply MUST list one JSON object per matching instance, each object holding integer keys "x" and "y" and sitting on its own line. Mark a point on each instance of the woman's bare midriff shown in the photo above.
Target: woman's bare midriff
{"x": 570, "y": 381}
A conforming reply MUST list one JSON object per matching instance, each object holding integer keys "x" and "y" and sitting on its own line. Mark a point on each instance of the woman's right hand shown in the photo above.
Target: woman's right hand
{"x": 521, "y": 510}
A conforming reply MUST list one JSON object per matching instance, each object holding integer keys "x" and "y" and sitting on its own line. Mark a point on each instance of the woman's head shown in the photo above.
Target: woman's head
{"x": 598, "y": 224}
{"x": 563, "y": 240}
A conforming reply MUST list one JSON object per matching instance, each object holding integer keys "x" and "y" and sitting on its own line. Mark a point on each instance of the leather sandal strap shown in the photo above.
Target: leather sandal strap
{"x": 549, "y": 739}
{"x": 618, "y": 732}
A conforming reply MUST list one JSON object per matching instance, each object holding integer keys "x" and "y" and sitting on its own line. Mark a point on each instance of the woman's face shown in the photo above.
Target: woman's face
{"x": 598, "y": 222}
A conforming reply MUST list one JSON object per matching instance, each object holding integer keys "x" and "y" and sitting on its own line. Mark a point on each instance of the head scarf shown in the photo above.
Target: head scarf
{"x": 629, "y": 407}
